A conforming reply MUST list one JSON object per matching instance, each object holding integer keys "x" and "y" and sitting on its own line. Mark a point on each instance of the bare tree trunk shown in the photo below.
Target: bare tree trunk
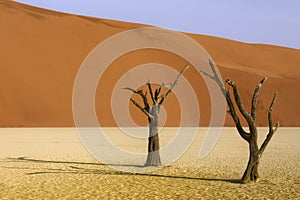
{"x": 251, "y": 172}
{"x": 153, "y": 158}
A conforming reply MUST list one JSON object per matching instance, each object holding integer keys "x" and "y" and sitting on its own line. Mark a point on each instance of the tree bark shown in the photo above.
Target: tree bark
{"x": 251, "y": 172}
{"x": 153, "y": 158}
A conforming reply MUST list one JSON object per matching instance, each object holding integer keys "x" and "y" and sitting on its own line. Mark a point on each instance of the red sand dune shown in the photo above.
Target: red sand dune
{"x": 41, "y": 52}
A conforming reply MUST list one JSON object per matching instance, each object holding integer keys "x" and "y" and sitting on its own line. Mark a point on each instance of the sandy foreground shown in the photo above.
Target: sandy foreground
{"x": 52, "y": 163}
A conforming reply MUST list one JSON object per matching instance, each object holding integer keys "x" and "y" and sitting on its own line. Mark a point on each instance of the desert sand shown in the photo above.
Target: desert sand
{"x": 41, "y": 52}
{"x": 51, "y": 163}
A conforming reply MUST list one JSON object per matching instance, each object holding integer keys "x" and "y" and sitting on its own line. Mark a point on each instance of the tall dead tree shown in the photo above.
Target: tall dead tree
{"x": 251, "y": 172}
{"x": 152, "y": 113}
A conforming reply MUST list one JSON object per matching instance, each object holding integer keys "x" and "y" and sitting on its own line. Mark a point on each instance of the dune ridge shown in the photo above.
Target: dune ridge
{"x": 42, "y": 50}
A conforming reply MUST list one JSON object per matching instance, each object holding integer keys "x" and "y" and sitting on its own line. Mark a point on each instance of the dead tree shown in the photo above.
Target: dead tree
{"x": 152, "y": 113}
{"x": 251, "y": 172}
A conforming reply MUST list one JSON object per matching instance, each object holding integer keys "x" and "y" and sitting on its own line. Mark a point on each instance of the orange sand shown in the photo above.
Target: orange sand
{"x": 41, "y": 52}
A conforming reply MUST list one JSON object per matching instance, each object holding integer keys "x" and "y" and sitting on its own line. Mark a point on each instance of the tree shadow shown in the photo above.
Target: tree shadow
{"x": 84, "y": 170}
{"x": 25, "y": 159}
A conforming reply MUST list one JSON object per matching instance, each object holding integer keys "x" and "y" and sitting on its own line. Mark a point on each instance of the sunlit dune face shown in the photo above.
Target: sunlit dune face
{"x": 42, "y": 52}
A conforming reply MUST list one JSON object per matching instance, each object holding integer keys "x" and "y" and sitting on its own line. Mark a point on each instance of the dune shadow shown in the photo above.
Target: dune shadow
{"x": 84, "y": 170}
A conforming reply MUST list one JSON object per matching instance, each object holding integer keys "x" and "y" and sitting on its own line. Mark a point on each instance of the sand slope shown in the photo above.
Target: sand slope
{"x": 42, "y": 50}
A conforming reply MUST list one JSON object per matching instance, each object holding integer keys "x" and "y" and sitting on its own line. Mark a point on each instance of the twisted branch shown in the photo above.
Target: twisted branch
{"x": 141, "y": 108}
{"x": 151, "y": 92}
{"x": 215, "y": 77}
{"x": 154, "y": 97}
{"x": 162, "y": 97}
{"x": 146, "y": 107}
{"x": 254, "y": 98}
{"x": 236, "y": 119}
{"x": 238, "y": 102}
{"x": 226, "y": 93}
{"x": 271, "y": 130}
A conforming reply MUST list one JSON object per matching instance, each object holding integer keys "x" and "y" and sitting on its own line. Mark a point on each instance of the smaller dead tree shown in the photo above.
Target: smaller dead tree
{"x": 251, "y": 172}
{"x": 152, "y": 113}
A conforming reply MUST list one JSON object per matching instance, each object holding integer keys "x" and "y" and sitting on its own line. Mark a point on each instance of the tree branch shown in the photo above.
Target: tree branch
{"x": 130, "y": 89}
{"x": 254, "y": 98}
{"x": 162, "y": 97}
{"x": 236, "y": 119}
{"x": 146, "y": 108}
{"x": 151, "y": 92}
{"x": 270, "y": 112}
{"x": 163, "y": 85}
{"x": 226, "y": 94}
{"x": 157, "y": 92}
{"x": 208, "y": 75}
{"x": 144, "y": 97}
{"x": 239, "y": 103}
{"x": 271, "y": 130}
{"x": 141, "y": 108}
{"x": 215, "y": 77}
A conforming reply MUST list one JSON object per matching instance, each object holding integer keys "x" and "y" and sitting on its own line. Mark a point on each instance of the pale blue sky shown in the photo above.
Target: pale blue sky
{"x": 256, "y": 21}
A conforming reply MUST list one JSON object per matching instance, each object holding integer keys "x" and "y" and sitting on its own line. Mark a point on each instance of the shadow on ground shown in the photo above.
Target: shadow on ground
{"x": 84, "y": 170}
